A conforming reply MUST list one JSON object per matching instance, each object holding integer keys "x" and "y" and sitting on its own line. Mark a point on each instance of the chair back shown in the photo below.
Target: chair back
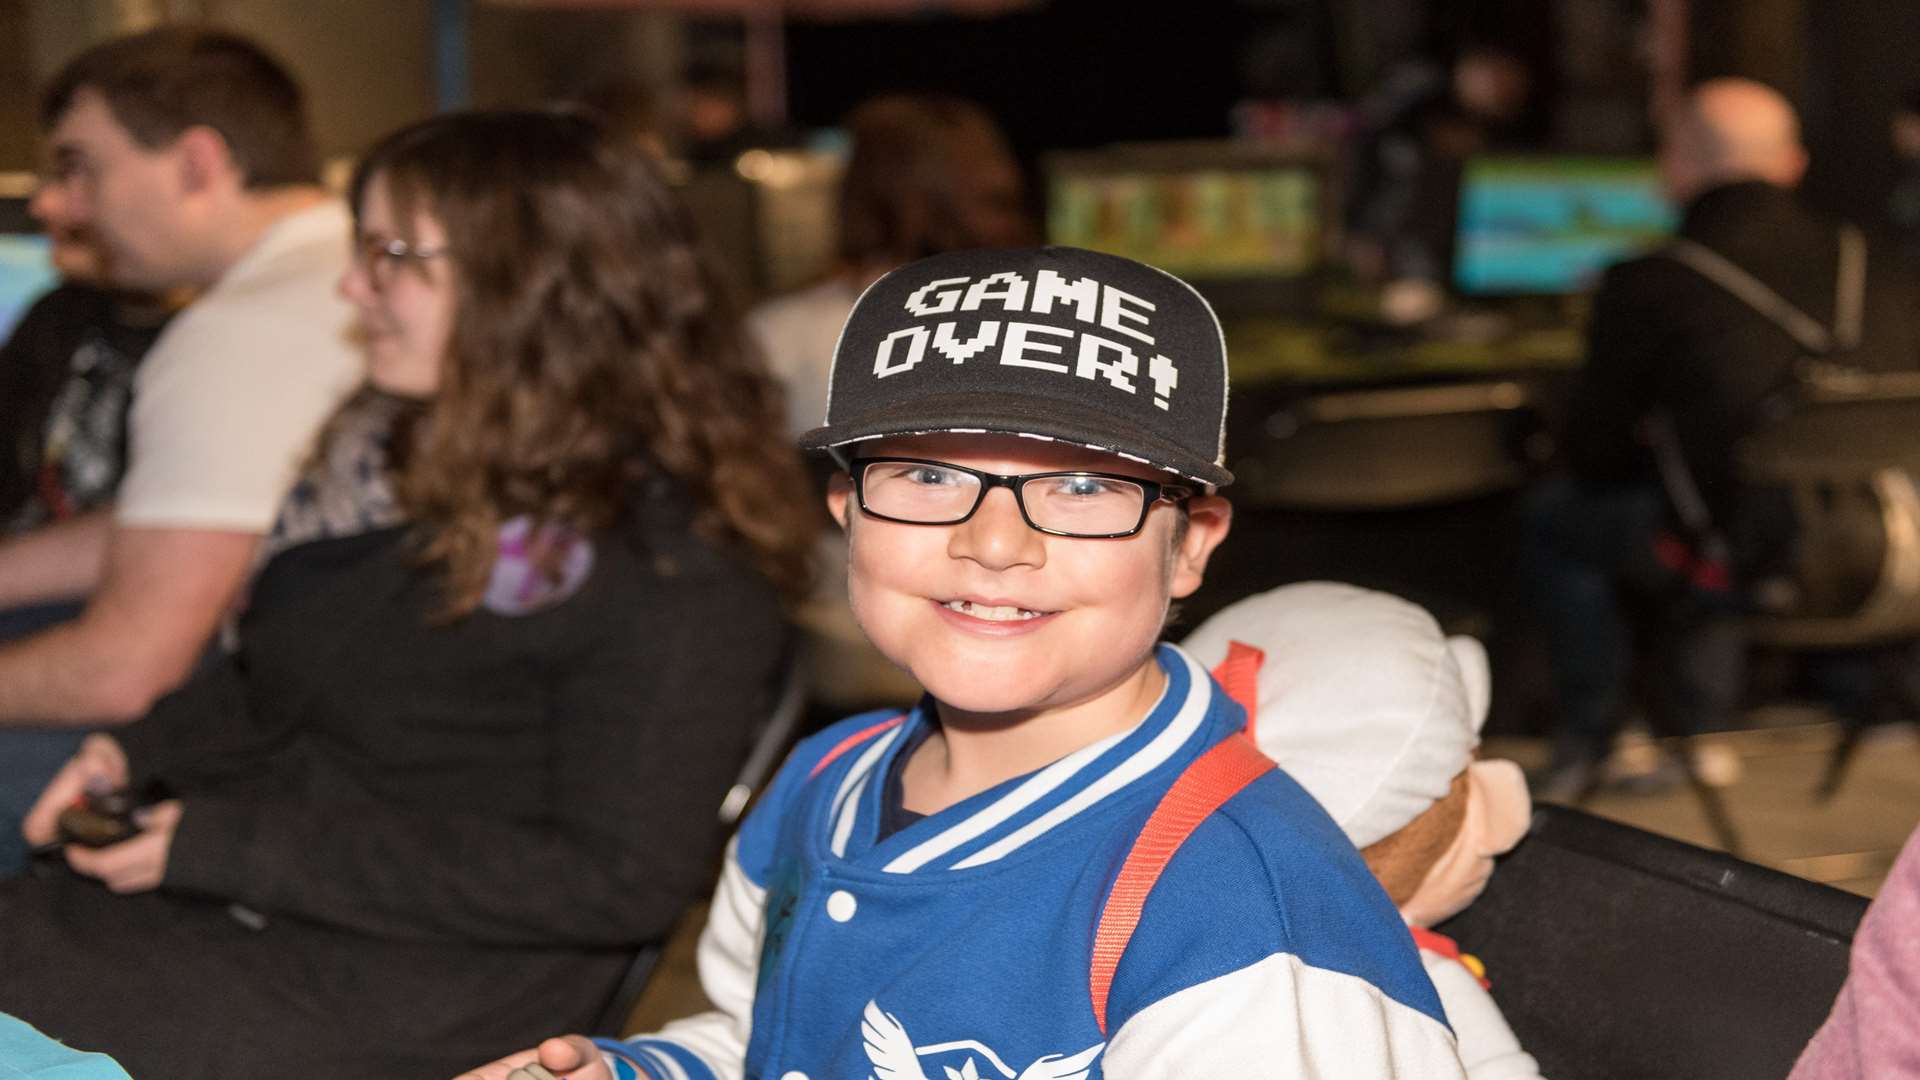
{"x": 1619, "y": 955}
{"x": 1843, "y": 465}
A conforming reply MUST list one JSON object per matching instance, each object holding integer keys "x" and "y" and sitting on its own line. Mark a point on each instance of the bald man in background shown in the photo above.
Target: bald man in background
{"x": 1665, "y": 340}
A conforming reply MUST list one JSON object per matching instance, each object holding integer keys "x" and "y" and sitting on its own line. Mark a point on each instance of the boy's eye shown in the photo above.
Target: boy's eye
{"x": 1085, "y": 487}
{"x": 930, "y": 475}
{"x": 910, "y": 474}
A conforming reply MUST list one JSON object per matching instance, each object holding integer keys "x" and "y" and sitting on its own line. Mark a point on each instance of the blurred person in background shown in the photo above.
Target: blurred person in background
{"x": 926, "y": 174}
{"x": 184, "y": 155}
{"x": 1903, "y": 208}
{"x": 66, "y": 379}
{"x": 1421, "y": 126}
{"x": 66, "y": 388}
{"x": 1672, "y": 349}
{"x": 535, "y": 651}
{"x": 713, "y": 122}
{"x": 629, "y": 108}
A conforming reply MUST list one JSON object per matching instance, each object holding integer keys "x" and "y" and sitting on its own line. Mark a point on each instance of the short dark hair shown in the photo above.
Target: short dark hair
{"x": 163, "y": 81}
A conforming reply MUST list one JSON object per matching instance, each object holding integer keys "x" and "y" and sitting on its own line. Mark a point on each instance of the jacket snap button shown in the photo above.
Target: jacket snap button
{"x": 840, "y": 907}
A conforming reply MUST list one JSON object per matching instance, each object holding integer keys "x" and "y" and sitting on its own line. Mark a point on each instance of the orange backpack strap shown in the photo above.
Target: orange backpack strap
{"x": 1239, "y": 676}
{"x": 854, "y": 740}
{"x": 1212, "y": 779}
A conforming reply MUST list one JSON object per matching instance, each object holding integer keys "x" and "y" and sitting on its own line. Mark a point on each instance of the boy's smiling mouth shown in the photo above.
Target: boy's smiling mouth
{"x": 991, "y": 612}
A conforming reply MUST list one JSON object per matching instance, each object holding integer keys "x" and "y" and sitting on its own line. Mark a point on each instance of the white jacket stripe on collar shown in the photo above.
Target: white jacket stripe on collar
{"x": 846, "y": 801}
{"x": 1164, "y": 745}
{"x": 1036, "y": 788}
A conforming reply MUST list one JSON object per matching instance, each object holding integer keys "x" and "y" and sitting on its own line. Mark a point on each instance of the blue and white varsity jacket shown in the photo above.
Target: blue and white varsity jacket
{"x": 959, "y": 947}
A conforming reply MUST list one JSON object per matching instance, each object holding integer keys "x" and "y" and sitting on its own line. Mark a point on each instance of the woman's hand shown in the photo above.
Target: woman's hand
{"x": 99, "y": 766}
{"x": 135, "y": 865}
{"x": 571, "y": 1057}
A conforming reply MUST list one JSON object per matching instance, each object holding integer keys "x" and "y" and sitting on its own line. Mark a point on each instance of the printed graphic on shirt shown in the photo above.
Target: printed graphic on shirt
{"x": 83, "y": 453}
{"x": 895, "y": 1057}
{"x": 536, "y": 569}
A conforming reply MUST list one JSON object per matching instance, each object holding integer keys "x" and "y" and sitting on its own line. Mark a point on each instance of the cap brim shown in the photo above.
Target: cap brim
{"x": 1059, "y": 420}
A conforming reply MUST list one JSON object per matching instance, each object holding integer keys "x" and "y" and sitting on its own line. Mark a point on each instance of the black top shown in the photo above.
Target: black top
{"x": 1664, "y": 337}
{"x": 70, "y": 362}
{"x": 550, "y": 779}
{"x": 894, "y": 814}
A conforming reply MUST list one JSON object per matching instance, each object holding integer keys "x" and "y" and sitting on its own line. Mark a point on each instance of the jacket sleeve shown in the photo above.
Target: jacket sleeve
{"x": 647, "y": 722}
{"x": 1313, "y": 974}
{"x": 1488, "y": 1048}
{"x": 711, "y": 1045}
{"x": 201, "y": 732}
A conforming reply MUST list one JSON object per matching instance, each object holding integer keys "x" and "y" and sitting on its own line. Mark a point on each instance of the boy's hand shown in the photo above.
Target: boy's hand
{"x": 571, "y": 1057}
{"x": 99, "y": 766}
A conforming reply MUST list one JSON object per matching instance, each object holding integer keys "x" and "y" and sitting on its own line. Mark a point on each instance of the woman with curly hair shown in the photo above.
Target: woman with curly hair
{"x": 530, "y": 648}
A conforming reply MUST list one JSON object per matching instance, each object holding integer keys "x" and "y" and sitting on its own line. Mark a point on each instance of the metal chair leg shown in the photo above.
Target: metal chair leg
{"x": 1711, "y": 802}
{"x": 1839, "y": 759}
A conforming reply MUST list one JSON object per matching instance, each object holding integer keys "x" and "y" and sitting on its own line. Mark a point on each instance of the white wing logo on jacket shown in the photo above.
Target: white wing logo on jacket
{"x": 894, "y": 1056}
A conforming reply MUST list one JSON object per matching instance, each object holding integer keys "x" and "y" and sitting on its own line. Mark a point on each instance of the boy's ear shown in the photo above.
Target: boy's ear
{"x": 1209, "y": 517}
{"x": 839, "y": 491}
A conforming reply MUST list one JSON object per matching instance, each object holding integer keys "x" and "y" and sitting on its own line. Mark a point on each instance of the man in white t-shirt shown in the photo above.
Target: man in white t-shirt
{"x": 186, "y": 153}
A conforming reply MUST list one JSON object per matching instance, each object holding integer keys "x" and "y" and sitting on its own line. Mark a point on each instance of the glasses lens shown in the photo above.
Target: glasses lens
{"x": 1081, "y": 505}
{"x": 372, "y": 255}
{"x": 909, "y": 491}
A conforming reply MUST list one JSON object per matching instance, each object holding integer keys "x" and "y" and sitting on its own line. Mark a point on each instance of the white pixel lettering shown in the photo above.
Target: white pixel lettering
{"x": 1083, "y": 293}
{"x": 1165, "y": 377}
{"x": 942, "y": 304}
{"x": 1012, "y": 294}
{"x": 1014, "y": 352}
{"x": 883, "y": 364}
{"x": 1123, "y": 364}
{"x": 962, "y": 351}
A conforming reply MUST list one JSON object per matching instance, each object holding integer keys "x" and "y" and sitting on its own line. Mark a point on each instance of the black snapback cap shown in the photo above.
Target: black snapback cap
{"x": 1054, "y": 342}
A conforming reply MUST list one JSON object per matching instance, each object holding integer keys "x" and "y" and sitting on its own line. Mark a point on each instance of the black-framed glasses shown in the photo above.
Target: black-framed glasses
{"x": 1085, "y": 505}
{"x": 382, "y": 256}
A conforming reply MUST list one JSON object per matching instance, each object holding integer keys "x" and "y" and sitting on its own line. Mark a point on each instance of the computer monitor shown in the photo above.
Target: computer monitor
{"x": 1550, "y": 225}
{"x": 25, "y": 269}
{"x": 1241, "y": 225}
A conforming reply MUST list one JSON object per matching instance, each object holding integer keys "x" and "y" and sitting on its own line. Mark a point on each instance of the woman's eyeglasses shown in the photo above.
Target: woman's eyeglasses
{"x": 382, "y": 256}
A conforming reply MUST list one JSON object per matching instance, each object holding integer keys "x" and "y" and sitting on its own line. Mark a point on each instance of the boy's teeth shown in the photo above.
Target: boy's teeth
{"x": 991, "y": 614}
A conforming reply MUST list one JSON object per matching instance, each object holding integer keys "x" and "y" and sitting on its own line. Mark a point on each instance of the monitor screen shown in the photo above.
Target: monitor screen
{"x": 1204, "y": 222}
{"x": 1551, "y": 225}
{"x": 25, "y": 273}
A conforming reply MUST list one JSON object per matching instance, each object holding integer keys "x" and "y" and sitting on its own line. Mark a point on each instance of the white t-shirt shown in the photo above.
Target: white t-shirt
{"x": 796, "y": 334}
{"x": 228, "y": 401}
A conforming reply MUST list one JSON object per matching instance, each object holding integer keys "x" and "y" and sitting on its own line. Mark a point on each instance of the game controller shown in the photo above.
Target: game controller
{"x": 531, "y": 1072}
{"x": 98, "y": 819}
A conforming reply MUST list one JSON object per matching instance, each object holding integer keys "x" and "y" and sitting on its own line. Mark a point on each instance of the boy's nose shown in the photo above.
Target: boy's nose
{"x": 997, "y": 537}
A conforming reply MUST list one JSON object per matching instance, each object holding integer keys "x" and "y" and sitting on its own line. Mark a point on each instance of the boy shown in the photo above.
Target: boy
{"x": 1032, "y": 441}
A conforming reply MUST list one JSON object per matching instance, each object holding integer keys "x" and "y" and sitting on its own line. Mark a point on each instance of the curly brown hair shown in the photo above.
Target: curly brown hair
{"x": 593, "y": 346}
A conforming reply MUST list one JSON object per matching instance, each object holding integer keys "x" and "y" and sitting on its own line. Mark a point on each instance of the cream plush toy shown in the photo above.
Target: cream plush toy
{"x": 1374, "y": 711}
